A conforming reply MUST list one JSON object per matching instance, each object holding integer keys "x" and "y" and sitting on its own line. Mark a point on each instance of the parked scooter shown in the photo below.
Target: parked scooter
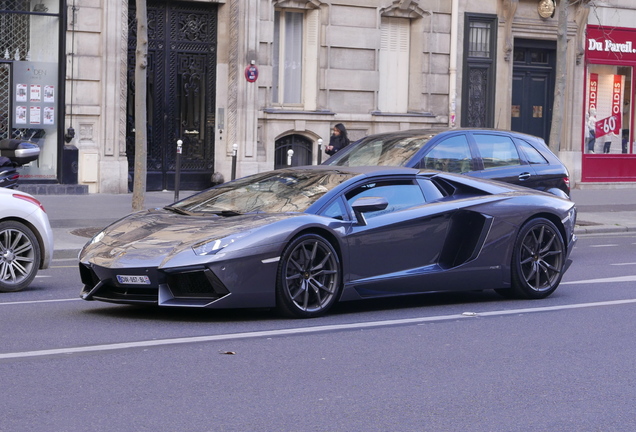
{"x": 13, "y": 154}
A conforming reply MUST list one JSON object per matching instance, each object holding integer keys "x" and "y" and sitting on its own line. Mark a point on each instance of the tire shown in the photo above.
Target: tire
{"x": 309, "y": 277}
{"x": 538, "y": 259}
{"x": 19, "y": 256}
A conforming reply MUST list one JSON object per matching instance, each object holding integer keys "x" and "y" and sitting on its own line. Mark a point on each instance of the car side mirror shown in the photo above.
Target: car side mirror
{"x": 368, "y": 204}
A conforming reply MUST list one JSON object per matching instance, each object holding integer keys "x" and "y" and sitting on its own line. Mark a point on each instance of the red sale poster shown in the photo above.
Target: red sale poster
{"x": 613, "y": 123}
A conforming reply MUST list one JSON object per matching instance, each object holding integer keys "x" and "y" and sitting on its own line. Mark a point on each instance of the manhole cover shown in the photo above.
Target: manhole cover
{"x": 86, "y": 232}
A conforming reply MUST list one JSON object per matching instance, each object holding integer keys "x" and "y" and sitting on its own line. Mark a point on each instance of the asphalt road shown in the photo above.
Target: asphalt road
{"x": 442, "y": 362}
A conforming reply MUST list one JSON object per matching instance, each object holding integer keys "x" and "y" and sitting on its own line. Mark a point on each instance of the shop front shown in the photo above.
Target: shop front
{"x": 31, "y": 97}
{"x": 608, "y": 136}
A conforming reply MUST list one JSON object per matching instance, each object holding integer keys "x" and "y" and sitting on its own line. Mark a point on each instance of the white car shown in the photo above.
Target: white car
{"x": 26, "y": 239}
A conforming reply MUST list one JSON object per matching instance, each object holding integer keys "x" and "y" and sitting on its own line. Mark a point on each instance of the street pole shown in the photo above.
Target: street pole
{"x": 234, "y": 152}
{"x": 319, "y": 151}
{"x": 177, "y": 172}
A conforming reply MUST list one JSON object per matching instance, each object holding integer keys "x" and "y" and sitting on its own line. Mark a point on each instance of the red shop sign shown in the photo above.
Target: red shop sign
{"x": 610, "y": 43}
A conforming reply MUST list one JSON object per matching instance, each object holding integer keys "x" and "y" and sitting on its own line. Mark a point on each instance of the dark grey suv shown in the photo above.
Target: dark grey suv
{"x": 486, "y": 153}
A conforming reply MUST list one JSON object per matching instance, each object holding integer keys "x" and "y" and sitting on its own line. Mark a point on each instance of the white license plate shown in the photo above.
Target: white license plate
{"x": 133, "y": 280}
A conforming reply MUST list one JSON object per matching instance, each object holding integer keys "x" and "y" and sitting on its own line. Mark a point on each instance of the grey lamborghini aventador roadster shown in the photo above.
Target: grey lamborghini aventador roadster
{"x": 304, "y": 238}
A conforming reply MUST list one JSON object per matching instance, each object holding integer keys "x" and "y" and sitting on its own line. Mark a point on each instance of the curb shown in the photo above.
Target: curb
{"x": 603, "y": 229}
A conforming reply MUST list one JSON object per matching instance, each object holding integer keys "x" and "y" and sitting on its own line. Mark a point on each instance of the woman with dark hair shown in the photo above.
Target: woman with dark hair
{"x": 338, "y": 140}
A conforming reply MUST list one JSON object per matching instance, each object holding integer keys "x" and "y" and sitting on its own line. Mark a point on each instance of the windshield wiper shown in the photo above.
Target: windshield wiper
{"x": 226, "y": 213}
{"x": 179, "y": 210}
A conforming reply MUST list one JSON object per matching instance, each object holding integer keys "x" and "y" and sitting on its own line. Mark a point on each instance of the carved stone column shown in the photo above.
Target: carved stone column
{"x": 510, "y": 9}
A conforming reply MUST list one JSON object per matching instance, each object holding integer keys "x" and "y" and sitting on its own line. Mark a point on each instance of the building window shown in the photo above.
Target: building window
{"x": 394, "y": 65}
{"x": 288, "y": 57}
{"x": 478, "y": 91}
{"x": 295, "y": 58}
{"x": 479, "y": 39}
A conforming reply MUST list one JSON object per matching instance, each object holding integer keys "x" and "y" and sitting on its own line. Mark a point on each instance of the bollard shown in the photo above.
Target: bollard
{"x": 177, "y": 172}
{"x": 234, "y": 152}
{"x": 290, "y": 153}
{"x": 319, "y": 151}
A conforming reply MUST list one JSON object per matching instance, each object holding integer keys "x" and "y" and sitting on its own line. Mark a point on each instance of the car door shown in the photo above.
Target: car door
{"x": 548, "y": 176}
{"x": 391, "y": 252}
{"x": 500, "y": 159}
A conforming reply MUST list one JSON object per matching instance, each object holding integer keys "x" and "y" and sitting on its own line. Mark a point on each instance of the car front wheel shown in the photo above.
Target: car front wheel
{"x": 309, "y": 277}
{"x": 538, "y": 259}
{"x": 19, "y": 256}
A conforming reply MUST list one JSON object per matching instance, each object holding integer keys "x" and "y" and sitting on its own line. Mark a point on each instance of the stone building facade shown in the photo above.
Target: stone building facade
{"x": 284, "y": 72}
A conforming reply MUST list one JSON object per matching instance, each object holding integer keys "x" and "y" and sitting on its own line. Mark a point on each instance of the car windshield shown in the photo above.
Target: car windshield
{"x": 271, "y": 192}
{"x": 387, "y": 150}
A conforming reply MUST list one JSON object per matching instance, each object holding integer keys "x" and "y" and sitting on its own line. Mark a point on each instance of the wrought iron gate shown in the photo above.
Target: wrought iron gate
{"x": 181, "y": 92}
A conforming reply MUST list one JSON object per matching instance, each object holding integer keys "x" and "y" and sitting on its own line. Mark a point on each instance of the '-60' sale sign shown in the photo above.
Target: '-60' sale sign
{"x": 612, "y": 123}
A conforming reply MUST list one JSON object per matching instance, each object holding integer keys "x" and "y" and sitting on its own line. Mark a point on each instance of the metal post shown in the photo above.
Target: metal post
{"x": 177, "y": 172}
{"x": 290, "y": 153}
{"x": 319, "y": 151}
{"x": 234, "y": 152}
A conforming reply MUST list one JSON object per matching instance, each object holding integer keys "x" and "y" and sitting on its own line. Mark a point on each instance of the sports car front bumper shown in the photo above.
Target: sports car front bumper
{"x": 210, "y": 286}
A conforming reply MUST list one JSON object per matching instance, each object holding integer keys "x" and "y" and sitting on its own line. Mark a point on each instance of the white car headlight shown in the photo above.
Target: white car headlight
{"x": 210, "y": 247}
{"x": 97, "y": 238}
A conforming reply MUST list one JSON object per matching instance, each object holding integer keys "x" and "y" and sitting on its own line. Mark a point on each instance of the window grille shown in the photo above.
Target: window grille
{"x": 14, "y": 29}
{"x": 479, "y": 39}
{"x": 5, "y": 83}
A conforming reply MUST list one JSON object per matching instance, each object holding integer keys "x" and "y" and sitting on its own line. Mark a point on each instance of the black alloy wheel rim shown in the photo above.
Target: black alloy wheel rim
{"x": 311, "y": 275}
{"x": 541, "y": 258}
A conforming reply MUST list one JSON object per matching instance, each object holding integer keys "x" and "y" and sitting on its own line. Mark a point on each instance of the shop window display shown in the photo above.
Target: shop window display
{"x": 30, "y": 93}
{"x": 608, "y": 107}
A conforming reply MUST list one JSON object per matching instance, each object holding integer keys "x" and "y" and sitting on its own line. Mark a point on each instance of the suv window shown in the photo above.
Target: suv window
{"x": 497, "y": 150}
{"x": 533, "y": 155}
{"x": 388, "y": 151}
{"x": 450, "y": 155}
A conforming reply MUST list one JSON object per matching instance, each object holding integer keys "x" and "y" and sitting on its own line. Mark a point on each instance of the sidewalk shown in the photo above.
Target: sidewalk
{"x": 76, "y": 218}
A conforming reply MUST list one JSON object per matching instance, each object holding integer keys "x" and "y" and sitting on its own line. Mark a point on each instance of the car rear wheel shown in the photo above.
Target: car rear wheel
{"x": 538, "y": 259}
{"x": 308, "y": 281}
{"x": 19, "y": 256}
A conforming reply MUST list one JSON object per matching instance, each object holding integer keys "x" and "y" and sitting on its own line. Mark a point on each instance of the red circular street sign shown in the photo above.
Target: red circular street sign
{"x": 251, "y": 73}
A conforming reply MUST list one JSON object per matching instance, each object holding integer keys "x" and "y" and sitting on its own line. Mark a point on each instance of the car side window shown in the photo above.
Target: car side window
{"x": 431, "y": 191}
{"x": 450, "y": 155}
{"x": 400, "y": 194}
{"x": 336, "y": 210}
{"x": 533, "y": 155}
{"x": 497, "y": 150}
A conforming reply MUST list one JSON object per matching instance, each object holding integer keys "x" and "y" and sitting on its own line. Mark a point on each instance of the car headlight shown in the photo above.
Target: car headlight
{"x": 210, "y": 247}
{"x": 97, "y": 238}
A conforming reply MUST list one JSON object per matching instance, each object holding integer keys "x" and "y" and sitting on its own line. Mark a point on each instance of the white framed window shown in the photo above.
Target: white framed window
{"x": 394, "y": 65}
{"x": 295, "y": 58}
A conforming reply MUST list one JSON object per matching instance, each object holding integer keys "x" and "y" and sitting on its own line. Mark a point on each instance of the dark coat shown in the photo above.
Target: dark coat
{"x": 338, "y": 142}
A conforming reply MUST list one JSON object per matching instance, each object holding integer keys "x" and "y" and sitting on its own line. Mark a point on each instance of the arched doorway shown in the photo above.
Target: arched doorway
{"x": 301, "y": 146}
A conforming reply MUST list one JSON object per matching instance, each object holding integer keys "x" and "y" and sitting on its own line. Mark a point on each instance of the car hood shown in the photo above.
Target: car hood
{"x": 154, "y": 237}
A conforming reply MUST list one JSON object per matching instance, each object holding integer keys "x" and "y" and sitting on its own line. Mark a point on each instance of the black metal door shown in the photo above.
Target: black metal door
{"x": 301, "y": 147}
{"x": 181, "y": 92}
{"x": 533, "y": 87}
